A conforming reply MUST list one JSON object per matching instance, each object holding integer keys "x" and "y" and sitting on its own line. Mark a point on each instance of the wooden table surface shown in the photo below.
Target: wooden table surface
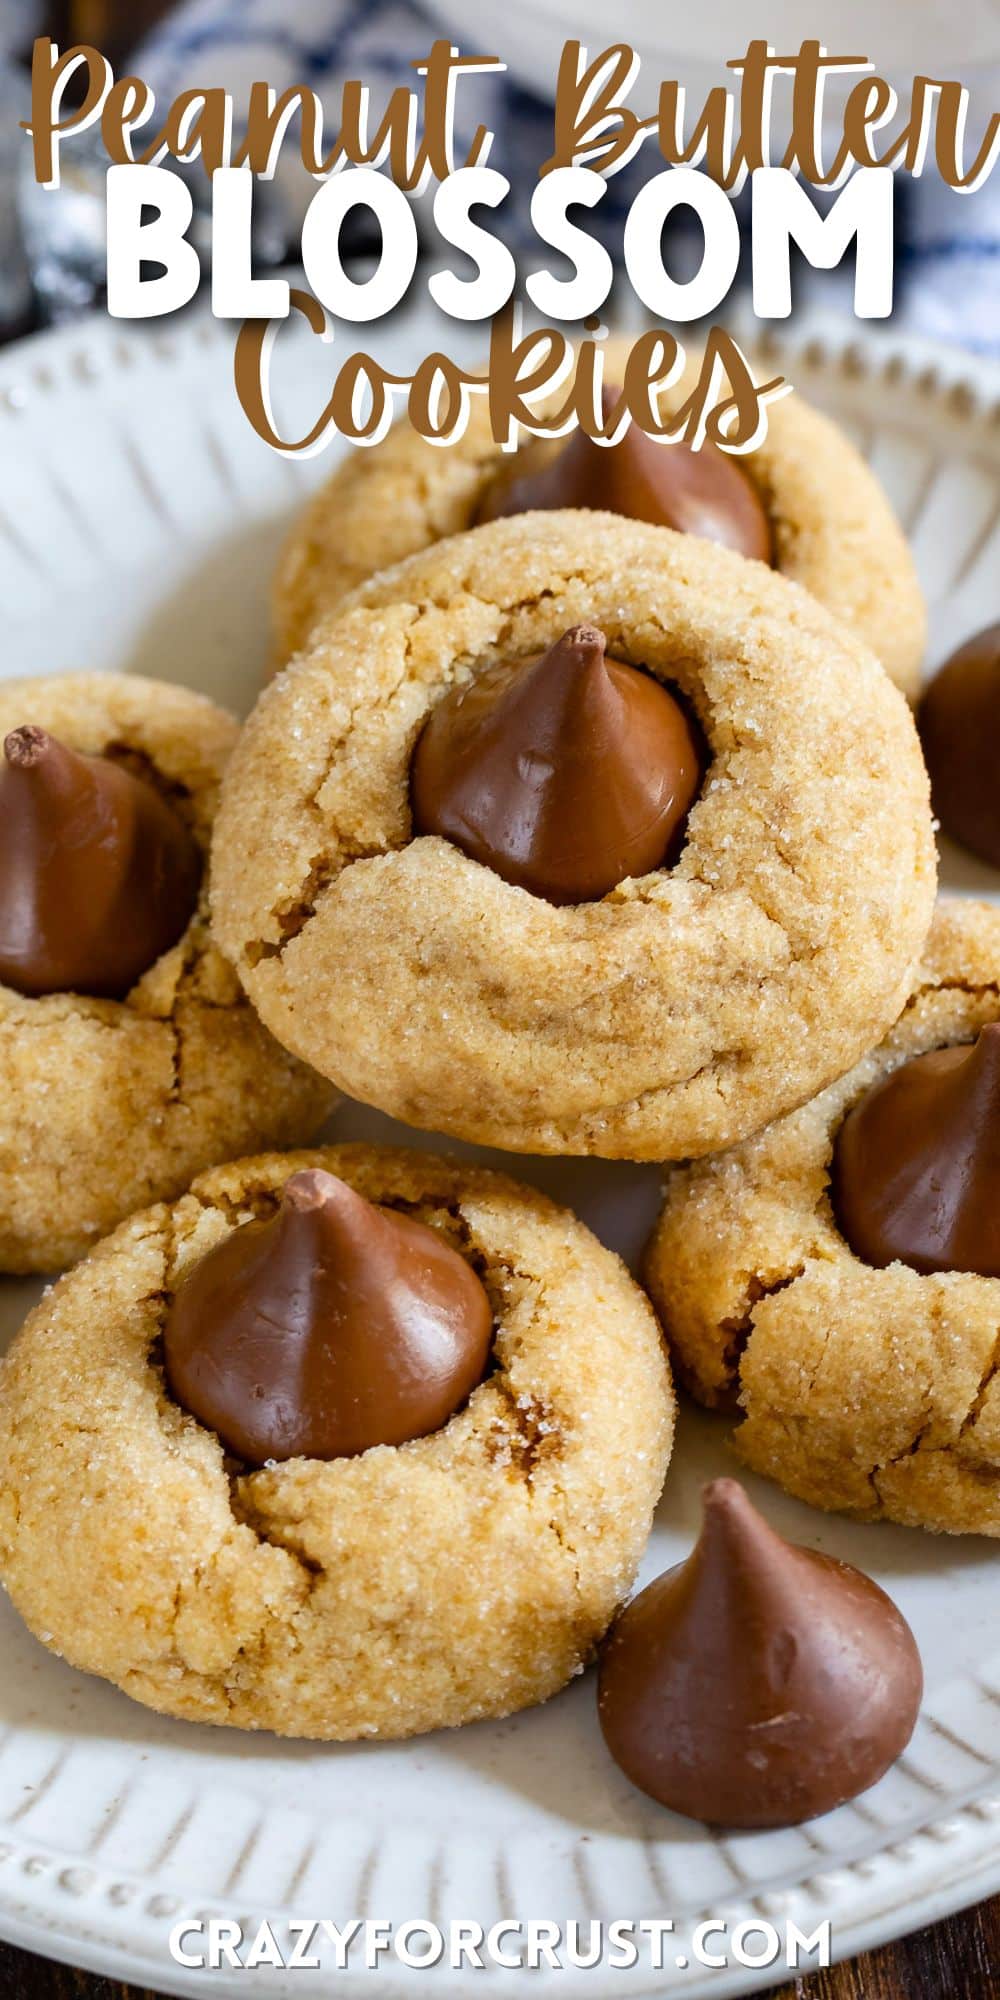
{"x": 955, "y": 1960}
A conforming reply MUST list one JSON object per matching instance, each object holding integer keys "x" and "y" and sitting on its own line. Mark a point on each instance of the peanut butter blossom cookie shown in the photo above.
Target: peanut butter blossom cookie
{"x": 130, "y": 1057}
{"x": 393, "y": 1428}
{"x": 803, "y": 500}
{"x": 837, "y": 1279}
{"x": 576, "y": 835}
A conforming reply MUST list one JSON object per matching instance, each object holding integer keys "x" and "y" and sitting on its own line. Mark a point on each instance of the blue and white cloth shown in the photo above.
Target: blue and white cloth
{"x": 948, "y": 263}
{"x": 948, "y": 245}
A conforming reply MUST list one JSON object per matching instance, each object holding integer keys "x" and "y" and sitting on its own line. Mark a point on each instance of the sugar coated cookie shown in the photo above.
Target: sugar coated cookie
{"x": 130, "y": 1057}
{"x": 823, "y": 519}
{"x": 837, "y": 1279}
{"x": 468, "y": 1572}
{"x": 433, "y": 866}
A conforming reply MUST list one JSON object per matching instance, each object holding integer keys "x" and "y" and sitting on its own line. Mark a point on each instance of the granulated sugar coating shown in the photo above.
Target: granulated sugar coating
{"x": 469, "y": 1573}
{"x": 686, "y": 1008}
{"x": 875, "y": 1391}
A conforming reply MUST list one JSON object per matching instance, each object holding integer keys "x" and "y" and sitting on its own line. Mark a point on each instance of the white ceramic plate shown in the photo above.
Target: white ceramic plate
{"x": 138, "y": 521}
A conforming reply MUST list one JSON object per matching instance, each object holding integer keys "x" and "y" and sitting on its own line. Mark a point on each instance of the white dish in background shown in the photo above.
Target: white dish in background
{"x": 139, "y": 517}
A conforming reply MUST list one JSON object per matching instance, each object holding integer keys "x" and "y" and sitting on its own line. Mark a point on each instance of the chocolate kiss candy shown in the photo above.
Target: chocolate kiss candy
{"x": 757, "y": 1684}
{"x": 333, "y": 1327}
{"x": 916, "y": 1173}
{"x": 959, "y": 722}
{"x": 98, "y": 875}
{"x": 697, "y": 492}
{"x": 564, "y": 773}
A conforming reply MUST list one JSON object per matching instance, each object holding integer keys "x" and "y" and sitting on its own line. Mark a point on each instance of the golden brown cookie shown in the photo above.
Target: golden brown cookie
{"x": 107, "y": 1105}
{"x": 874, "y": 1391}
{"x": 469, "y": 1573}
{"x": 834, "y": 530}
{"x": 686, "y": 1007}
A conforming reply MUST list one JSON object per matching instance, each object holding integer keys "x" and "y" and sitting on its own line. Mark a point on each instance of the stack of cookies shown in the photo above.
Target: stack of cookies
{"x": 586, "y": 815}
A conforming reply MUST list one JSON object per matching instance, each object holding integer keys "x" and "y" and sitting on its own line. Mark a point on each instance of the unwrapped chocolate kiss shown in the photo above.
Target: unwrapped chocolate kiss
{"x": 331, "y": 1327}
{"x": 959, "y": 723}
{"x": 98, "y": 874}
{"x": 565, "y": 773}
{"x": 702, "y": 492}
{"x": 916, "y": 1171}
{"x": 757, "y": 1684}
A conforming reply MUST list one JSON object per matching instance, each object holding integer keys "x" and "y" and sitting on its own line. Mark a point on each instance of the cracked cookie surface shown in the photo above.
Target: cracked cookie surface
{"x": 834, "y": 529}
{"x": 109, "y": 1105}
{"x": 466, "y": 1574}
{"x": 685, "y": 1008}
{"x": 872, "y": 1391}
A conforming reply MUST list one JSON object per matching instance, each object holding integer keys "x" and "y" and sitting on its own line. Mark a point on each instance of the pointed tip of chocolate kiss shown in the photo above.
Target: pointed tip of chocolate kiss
{"x": 724, "y": 1495}
{"x": 314, "y": 1187}
{"x": 586, "y": 639}
{"x": 27, "y": 746}
{"x": 725, "y": 1499}
{"x": 332, "y": 1207}
{"x": 724, "y": 1502}
{"x": 986, "y": 1047}
{"x": 978, "y": 1077}
{"x": 578, "y": 655}
{"x": 733, "y": 1530}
